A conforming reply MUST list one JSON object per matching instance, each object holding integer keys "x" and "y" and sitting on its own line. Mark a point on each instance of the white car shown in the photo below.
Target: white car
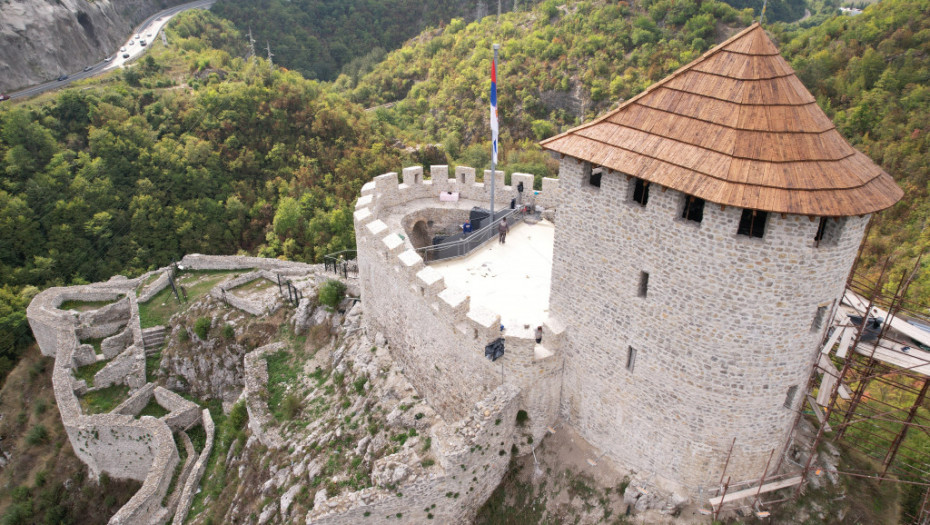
{"x": 122, "y": 49}
{"x": 132, "y": 42}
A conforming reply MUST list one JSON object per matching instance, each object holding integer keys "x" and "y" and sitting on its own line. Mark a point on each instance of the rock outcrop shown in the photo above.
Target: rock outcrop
{"x": 41, "y": 40}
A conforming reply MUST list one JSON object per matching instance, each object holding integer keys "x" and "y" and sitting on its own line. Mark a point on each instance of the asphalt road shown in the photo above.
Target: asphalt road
{"x": 151, "y": 26}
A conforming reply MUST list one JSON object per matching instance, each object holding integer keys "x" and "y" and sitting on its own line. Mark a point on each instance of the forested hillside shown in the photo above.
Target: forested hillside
{"x": 134, "y": 172}
{"x": 319, "y": 37}
{"x": 198, "y": 150}
{"x": 871, "y": 74}
{"x": 559, "y": 65}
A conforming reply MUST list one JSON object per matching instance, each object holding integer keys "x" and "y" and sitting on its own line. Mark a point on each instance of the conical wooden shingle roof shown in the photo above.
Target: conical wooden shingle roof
{"x": 736, "y": 127}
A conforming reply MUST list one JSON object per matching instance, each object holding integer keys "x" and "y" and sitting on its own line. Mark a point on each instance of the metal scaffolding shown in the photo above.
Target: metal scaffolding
{"x": 870, "y": 386}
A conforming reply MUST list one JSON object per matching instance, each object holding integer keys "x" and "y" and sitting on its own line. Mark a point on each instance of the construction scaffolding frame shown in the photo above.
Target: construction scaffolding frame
{"x": 870, "y": 385}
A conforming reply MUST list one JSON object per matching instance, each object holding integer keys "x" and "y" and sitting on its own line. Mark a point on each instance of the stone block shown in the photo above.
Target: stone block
{"x": 431, "y": 281}
{"x": 413, "y": 175}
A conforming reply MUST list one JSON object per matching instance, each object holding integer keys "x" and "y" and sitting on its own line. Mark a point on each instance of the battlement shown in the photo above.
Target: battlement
{"x": 413, "y": 303}
{"x": 388, "y": 190}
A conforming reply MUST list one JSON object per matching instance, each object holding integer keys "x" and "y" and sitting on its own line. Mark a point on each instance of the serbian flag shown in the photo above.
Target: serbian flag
{"x": 494, "y": 110}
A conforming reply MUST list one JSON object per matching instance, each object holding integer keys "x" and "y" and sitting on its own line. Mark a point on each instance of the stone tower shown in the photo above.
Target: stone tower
{"x": 704, "y": 236}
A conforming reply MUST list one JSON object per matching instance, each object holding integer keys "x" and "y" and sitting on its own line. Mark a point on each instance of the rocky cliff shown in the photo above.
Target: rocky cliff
{"x": 40, "y": 39}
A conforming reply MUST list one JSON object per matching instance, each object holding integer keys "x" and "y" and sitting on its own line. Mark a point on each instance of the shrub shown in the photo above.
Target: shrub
{"x": 238, "y": 416}
{"x": 202, "y": 327}
{"x": 332, "y": 292}
{"x": 291, "y": 406}
{"x": 522, "y": 417}
{"x": 183, "y": 335}
{"x": 38, "y": 434}
{"x": 229, "y": 332}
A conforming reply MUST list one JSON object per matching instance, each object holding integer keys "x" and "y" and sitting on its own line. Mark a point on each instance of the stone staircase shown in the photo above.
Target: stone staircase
{"x": 152, "y": 338}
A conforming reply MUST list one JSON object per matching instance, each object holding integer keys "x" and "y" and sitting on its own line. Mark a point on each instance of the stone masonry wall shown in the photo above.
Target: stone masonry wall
{"x": 118, "y": 444}
{"x": 474, "y": 454}
{"x": 438, "y": 337}
{"x": 724, "y": 330}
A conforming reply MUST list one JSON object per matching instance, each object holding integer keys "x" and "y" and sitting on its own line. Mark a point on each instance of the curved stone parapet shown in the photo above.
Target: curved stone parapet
{"x": 446, "y": 362}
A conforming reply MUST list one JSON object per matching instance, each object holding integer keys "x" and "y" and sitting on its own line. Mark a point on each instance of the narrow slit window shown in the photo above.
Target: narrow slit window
{"x": 752, "y": 223}
{"x": 641, "y": 192}
{"x": 595, "y": 178}
{"x": 828, "y": 231}
{"x": 821, "y": 229}
{"x": 643, "y": 284}
{"x": 694, "y": 209}
{"x": 818, "y": 318}
{"x": 630, "y": 358}
{"x": 789, "y": 397}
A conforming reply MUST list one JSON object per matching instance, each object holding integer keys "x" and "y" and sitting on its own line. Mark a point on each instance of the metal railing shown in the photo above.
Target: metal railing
{"x": 344, "y": 263}
{"x": 464, "y": 246}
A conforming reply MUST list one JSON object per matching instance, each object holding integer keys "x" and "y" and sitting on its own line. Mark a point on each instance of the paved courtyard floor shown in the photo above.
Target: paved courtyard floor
{"x": 510, "y": 279}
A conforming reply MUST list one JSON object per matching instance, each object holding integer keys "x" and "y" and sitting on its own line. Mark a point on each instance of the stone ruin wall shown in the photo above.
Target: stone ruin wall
{"x": 474, "y": 454}
{"x": 116, "y": 443}
{"x": 724, "y": 331}
{"x": 435, "y": 334}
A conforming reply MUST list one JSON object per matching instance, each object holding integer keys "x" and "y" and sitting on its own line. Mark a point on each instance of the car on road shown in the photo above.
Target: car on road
{"x": 122, "y": 49}
{"x": 4, "y": 97}
{"x": 149, "y": 35}
{"x": 88, "y": 68}
{"x": 125, "y": 55}
{"x": 107, "y": 59}
{"x": 62, "y": 77}
{"x": 142, "y": 43}
{"x": 132, "y": 42}
{"x": 138, "y": 37}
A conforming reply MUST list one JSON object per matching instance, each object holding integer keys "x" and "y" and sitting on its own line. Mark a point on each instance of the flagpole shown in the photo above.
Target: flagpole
{"x": 493, "y": 126}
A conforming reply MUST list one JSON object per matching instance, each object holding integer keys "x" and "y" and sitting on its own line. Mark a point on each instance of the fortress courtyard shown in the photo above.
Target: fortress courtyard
{"x": 510, "y": 279}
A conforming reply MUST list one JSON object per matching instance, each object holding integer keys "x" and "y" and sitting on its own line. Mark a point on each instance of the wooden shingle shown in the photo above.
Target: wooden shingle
{"x": 735, "y": 127}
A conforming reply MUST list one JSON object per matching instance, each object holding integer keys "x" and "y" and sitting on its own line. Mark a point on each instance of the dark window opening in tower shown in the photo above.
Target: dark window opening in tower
{"x": 595, "y": 178}
{"x": 828, "y": 231}
{"x": 641, "y": 192}
{"x": 752, "y": 223}
{"x": 694, "y": 209}
{"x": 643, "y": 284}
{"x": 789, "y": 397}
{"x": 821, "y": 228}
{"x": 630, "y": 358}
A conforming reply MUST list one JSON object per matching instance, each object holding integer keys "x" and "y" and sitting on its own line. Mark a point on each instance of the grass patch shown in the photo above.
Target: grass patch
{"x": 104, "y": 400}
{"x": 96, "y": 343}
{"x": 152, "y": 363}
{"x": 282, "y": 372}
{"x": 88, "y": 372}
{"x": 182, "y": 457}
{"x": 157, "y": 310}
{"x": 84, "y": 306}
{"x": 230, "y": 431}
{"x": 198, "y": 437}
{"x": 153, "y": 409}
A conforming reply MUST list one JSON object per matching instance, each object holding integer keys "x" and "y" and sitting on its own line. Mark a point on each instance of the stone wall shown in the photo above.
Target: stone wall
{"x": 152, "y": 289}
{"x": 438, "y": 337}
{"x": 193, "y": 481}
{"x": 473, "y": 455}
{"x": 255, "y": 391}
{"x": 115, "y": 443}
{"x": 723, "y": 332}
